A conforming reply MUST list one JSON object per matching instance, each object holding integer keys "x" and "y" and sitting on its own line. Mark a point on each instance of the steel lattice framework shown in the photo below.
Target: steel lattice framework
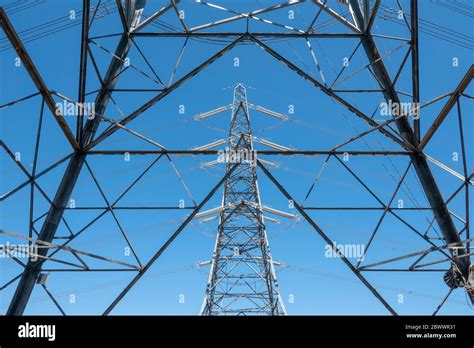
{"x": 357, "y": 24}
{"x": 242, "y": 280}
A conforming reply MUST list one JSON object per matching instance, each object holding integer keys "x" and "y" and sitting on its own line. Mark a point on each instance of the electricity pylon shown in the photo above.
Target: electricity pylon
{"x": 242, "y": 279}
{"x": 354, "y": 25}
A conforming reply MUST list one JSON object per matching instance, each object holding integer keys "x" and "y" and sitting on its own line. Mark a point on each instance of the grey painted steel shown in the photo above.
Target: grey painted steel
{"x": 130, "y": 14}
{"x": 318, "y": 229}
{"x": 450, "y": 103}
{"x": 63, "y": 194}
{"x": 428, "y": 182}
{"x": 242, "y": 279}
{"x": 35, "y": 75}
{"x": 415, "y": 66}
{"x": 83, "y": 67}
{"x": 169, "y": 241}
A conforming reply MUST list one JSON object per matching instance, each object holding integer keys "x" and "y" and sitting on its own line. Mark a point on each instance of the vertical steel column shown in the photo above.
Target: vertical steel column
{"x": 415, "y": 68}
{"x": 63, "y": 194}
{"x": 83, "y": 67}
{"x": 420, "y": 164}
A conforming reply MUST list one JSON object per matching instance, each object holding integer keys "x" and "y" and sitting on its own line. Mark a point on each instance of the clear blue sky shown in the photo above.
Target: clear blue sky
{"x": 319, "y": 285}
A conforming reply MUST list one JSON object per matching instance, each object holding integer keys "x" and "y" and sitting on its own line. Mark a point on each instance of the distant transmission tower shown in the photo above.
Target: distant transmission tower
{"x": 242, "y": 279}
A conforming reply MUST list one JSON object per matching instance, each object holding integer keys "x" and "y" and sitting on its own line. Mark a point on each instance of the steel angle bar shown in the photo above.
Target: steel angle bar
{"x": 35, "y": 76}
{"x": 169, "y": 241}
{"x": 327, "y": 240}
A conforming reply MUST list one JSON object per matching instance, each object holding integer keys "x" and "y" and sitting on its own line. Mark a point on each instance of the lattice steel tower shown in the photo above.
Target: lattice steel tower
{"x": 242, "y": 279}
{"x": 347, "y": 53}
